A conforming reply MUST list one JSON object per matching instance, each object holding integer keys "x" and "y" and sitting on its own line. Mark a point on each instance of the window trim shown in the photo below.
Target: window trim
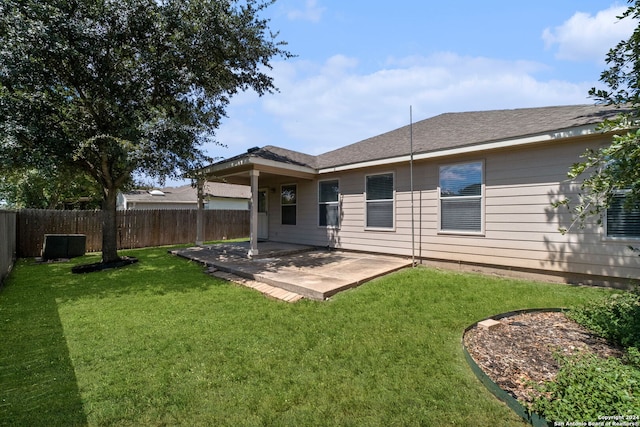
{"x": 282, "y": 205}
{"x": 606, "y": 236}
{"x": 393, "y": 202}
{"x": 482, "y": 197}
{"x": 336, "y": 203}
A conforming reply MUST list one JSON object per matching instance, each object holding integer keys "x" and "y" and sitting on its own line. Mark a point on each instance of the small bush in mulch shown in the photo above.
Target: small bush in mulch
{"x": 99, "y": 266}
{"x": 616, "y": 317}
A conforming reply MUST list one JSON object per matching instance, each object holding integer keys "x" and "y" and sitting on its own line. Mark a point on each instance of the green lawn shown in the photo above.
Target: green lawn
{"x": 161, "y": 343}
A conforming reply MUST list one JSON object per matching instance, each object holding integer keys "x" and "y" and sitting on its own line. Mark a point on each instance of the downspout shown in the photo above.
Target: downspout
{"x": 413, "y": 221}
{"x": 199, "y": 219}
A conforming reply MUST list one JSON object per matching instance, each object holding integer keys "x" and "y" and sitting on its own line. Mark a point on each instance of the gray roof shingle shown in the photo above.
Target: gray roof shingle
{"x": 454, "y": 130}
{"x": 446, "y": 131}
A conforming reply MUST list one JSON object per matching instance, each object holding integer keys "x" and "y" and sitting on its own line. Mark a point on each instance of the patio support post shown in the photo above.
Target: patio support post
{"x": 253, "y": 223}
{"x": 199, "y": 219}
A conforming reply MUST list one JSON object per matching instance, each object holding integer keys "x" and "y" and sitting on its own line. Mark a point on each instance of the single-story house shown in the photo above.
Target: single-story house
{"x": 217, "y": 195}
{"x": 471, "y": 190}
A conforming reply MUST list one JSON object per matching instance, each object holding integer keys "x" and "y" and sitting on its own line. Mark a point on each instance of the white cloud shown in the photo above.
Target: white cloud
{"x": 310, "y": 12}
{"x": 584, "y": 37}
{"x": 325, "y": 106}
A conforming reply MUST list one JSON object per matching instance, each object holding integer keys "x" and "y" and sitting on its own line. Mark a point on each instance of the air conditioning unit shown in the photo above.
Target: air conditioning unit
{"x": 63, "y": 246}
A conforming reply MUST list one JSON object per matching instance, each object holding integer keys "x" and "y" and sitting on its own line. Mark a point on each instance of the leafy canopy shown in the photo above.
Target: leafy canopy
{"x": 116, "y": 87}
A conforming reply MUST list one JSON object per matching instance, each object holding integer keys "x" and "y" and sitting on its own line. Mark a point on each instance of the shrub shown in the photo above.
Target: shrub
{"x": 588, "y": 387}
{"x": 616, "y": 317}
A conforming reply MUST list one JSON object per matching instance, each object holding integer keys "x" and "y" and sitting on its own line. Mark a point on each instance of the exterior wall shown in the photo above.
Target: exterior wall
{"x": 144, "y": 205}
{"x": 225, "y": 204}
{"x": 520, "y": 225}
{"x": 221, "y": 203}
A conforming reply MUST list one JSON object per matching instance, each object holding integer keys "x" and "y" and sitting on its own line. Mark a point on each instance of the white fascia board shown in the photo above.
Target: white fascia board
{"x": 514, "y": 142}
{"x": 226, "y": 165}
{"x": 258, "y": 161}
{"x": 275, "y": 164}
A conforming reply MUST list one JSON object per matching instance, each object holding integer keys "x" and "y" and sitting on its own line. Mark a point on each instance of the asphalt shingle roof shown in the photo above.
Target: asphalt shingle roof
{"x": 455, "y": 130}
{"x": 446, "y": 131}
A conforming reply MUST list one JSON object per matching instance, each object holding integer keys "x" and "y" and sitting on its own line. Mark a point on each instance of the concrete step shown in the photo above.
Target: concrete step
{"x": 264, "y": 288}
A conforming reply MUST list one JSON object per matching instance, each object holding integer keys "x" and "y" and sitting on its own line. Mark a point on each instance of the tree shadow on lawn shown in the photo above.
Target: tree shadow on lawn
{"x": 156, "y": 273}
{"x": 38, "y": 385}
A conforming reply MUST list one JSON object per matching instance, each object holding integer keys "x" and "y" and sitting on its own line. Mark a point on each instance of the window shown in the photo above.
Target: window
{"x": 328, "y": 206}
{"x": 461, "y": 197}
{"x": 379, "y": 201}
{"x": 262, "y": 201}
{"x": 623, "y": 222}
{"x": 288, "y": 201}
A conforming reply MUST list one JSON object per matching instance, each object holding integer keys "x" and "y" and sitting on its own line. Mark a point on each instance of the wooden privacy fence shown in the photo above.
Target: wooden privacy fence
{"x": 136, "y": 228}
{"x": 7, "y": 242}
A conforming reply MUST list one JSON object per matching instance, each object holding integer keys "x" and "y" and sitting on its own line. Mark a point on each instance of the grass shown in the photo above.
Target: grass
{"x": 161, "y": 343}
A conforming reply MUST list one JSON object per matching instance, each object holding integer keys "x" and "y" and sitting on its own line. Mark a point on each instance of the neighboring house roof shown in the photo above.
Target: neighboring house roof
{"x": 439, "y": 134}
{"x": 188, "y": 194}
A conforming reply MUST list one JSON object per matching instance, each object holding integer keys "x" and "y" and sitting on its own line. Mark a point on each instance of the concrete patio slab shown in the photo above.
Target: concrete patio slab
{"x": 313, "y": 273}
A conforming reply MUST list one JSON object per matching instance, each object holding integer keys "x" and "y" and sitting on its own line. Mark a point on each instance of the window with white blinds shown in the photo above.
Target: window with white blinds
{"x": 460, "y": 190}
{"x": 623, "y": 221}
{"x": 328, "y": 206}
{"x": 379, "y": 189}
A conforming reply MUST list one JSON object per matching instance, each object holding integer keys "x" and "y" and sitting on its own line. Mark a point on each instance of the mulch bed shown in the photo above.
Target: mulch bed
{"x": 520, "y": 350}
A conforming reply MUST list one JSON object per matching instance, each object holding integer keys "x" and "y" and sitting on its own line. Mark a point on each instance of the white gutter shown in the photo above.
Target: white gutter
{"x": 514, "y": 142}
{"x": 275, "y": 164}
{"x": 260, "y": 162}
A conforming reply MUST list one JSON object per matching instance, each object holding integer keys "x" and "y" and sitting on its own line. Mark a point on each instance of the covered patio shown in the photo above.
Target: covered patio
{"x": 307, "y": 271}
{"x": 252, "y": 168}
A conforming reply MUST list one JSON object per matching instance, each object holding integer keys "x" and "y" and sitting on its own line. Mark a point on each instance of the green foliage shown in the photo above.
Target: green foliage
{"x": 615, "y": 317}
{"x": 632, "y": 357}
{"x": 49, "y": 189}
{"x": 588, "y": 387}
{"x": 114, "y": 87}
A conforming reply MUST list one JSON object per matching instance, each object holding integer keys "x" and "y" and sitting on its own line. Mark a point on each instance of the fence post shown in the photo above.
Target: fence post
{"x": 7, "y": 242}
{"x": 199, "y": 220}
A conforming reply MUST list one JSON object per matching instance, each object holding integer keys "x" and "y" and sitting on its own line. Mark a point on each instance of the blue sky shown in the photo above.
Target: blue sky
{"x": 361, "y": 64}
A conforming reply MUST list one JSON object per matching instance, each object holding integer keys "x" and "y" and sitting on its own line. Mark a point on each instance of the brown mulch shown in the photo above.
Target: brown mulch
{"x": 520, "y": 350}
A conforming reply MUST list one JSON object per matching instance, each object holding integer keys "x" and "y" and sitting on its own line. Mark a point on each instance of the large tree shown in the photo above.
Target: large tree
{"x": 49, "y": 188}
{"x": 607, "y": 171}
{"x": 116, "y": 87}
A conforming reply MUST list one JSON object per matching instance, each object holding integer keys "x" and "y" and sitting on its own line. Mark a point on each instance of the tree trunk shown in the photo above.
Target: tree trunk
{"x": 109, "y": 226}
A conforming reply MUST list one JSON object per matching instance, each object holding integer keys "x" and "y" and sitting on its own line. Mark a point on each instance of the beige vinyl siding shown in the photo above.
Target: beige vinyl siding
{"x": 145, "y": 205}
{"x": 306, "y": 230}
{"x": 521, "y": 226}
